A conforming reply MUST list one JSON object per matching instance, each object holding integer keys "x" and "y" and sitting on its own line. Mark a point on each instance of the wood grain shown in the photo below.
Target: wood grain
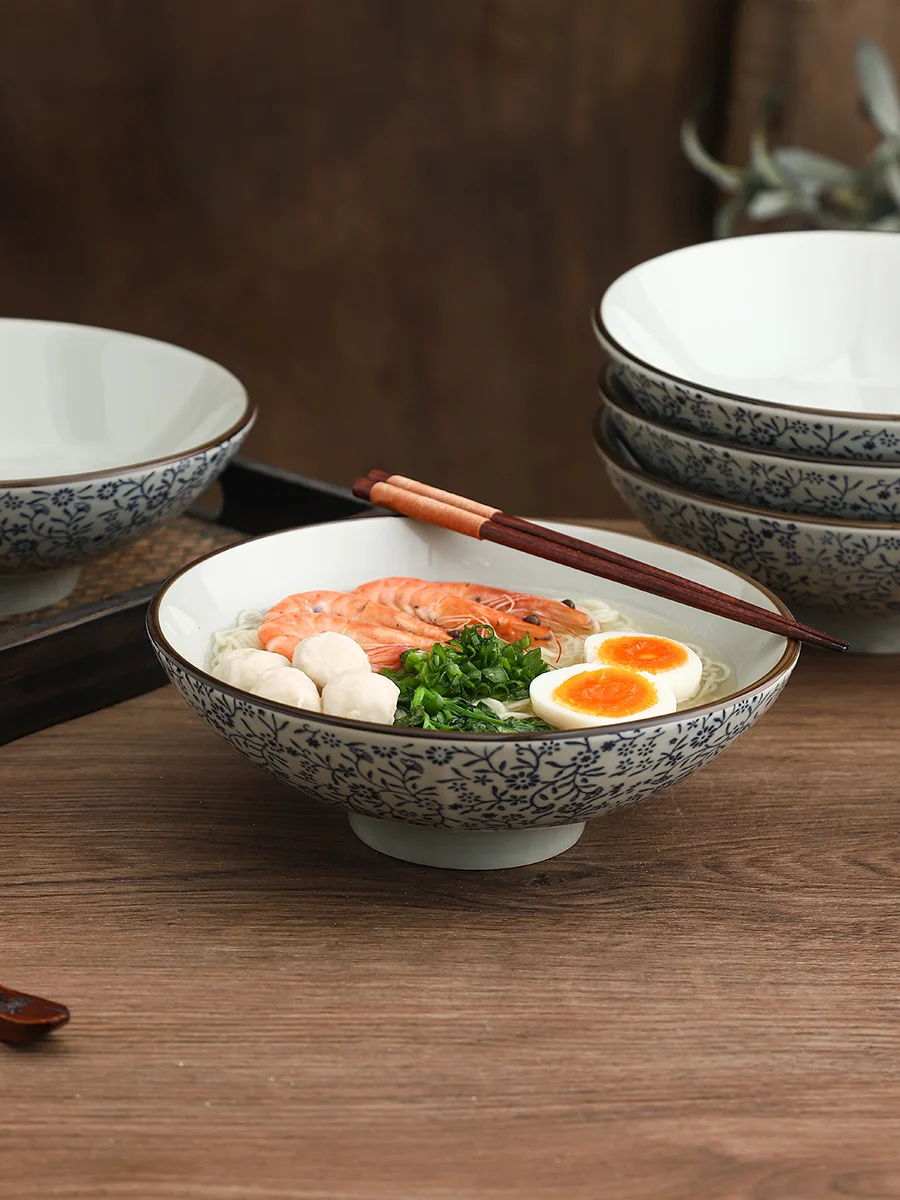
{"x": 390, "y": 218}
{"x": 698, "y": 1000}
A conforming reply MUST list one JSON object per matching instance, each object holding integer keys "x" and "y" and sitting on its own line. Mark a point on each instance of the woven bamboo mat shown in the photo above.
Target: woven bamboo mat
{"x": 151, "y": 559}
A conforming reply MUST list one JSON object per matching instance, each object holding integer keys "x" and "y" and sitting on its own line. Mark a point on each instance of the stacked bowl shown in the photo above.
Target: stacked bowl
{"x": 752, "y": 413}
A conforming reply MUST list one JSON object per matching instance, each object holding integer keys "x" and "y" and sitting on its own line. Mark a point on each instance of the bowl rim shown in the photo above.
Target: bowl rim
{"x": 607, "y": 387}
{"x": 243, "y": 424}
{"x": 606, "y": 450}
{"x": 610, "y": 345}
{"x": 784, "y": 666}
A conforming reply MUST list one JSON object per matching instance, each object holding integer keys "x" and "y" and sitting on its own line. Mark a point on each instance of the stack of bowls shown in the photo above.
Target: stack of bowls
{"x": 752, "y": 413}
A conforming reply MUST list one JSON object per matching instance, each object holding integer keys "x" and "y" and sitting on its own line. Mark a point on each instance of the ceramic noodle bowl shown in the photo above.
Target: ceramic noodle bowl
{"x": 105, "y": 435}
{"x": 461, "y": 799}
{"x": 783, "y": 341}
{"x": 841, "y": 577}
{"x": 839, "y": 487}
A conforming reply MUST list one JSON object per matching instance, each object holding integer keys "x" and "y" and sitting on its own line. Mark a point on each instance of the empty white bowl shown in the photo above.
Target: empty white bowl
{"x": 785, "y": 341}
{"x": 841, "y": 577}
{"x": 104, "y": 435}
{"x": 834, "y": 487}
{"x": 460, "y": 800}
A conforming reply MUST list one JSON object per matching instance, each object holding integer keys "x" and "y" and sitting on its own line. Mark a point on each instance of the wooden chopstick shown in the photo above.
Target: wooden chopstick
{"x": 686, "y": 588}
{"x": 462, "y": 515}
{"x": 25, "y": 1018}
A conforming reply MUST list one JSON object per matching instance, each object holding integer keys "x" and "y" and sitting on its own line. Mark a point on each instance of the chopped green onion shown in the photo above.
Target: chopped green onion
{"x": 443, "y": 688}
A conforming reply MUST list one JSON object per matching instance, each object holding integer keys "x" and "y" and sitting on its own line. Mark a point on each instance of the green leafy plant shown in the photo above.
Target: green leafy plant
{"x": 791, "y": 182}
{"x": 444, "y": 687}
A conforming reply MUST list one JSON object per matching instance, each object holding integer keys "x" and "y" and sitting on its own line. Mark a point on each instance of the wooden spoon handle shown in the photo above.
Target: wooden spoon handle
{"x": 24, "y": 1018}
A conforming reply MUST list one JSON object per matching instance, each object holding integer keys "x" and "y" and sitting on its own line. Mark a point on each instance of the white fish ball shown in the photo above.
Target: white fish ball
{"x": 241, "y": 668}
{"x": 361, "y": 696}
{"x": 325, "y": 655}
{"x": 287, "y": 685}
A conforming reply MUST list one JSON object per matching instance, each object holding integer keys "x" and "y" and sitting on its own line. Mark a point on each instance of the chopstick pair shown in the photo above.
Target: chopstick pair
{"x": 461, "y": 515}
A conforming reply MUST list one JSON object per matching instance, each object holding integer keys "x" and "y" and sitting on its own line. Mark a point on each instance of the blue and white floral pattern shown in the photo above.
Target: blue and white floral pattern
{"x": 823, "y": 566}
{"x": 766, "y": 426}
{"x": 57, "y": 526}
{"x": 455, "y": 784}
{"x": 821, "y": 489}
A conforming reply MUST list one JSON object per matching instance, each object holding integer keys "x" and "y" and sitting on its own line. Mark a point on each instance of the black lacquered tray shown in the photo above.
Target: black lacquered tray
{"x": 91, "y": 650}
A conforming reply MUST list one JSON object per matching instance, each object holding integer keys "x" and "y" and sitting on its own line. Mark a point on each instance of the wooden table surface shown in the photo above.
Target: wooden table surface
{"x": 700, "y": 1000}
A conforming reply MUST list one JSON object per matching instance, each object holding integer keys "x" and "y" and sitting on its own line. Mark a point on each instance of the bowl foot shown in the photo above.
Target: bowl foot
{"x": 464, "y": 850}
{"x": 22, "y": 593}
{"x": 866, "y": 634}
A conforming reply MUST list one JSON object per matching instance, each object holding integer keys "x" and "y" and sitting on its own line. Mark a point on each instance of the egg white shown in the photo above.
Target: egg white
{"x": 683, "y": 680}
{"x": 549, "y": 709}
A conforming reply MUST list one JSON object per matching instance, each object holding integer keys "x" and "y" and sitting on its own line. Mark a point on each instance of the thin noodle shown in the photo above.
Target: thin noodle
{"x": 243, "y": 633}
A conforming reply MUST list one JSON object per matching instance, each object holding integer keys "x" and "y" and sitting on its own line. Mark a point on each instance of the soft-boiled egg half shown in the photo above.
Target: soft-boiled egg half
{"x": 587, "y": 694}
{"x": 668, "y": 661}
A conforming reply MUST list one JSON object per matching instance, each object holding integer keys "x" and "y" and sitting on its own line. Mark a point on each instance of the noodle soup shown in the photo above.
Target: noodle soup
{"x": 568, "y": 650}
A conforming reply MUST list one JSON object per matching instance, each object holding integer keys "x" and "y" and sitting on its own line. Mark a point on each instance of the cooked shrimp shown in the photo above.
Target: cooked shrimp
{"x": 555, "y": 614}
{"x": 432, "y": 602}
{"x": 382, "y": 645}
{"x": 357, "y": 607}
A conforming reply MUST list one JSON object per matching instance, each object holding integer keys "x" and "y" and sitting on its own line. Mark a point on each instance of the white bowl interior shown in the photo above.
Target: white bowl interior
{"x": 805, "y": 319}
{"x": 75, "y": 399}
{"x": 256, "y": 574}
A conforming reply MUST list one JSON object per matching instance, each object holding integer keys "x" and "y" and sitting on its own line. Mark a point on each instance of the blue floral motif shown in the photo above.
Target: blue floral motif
{"x": 813, "y": 564}
{"x": 483, "y": 784}
{"x": 768, "y": 427}
{"x": 60, "y": 526}
{"x": 849, "y": 492}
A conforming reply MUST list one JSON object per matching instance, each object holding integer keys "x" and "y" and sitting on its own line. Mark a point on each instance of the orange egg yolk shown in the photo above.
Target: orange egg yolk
{"x": 642, "y": 653}
{"x": 607, "y": 692}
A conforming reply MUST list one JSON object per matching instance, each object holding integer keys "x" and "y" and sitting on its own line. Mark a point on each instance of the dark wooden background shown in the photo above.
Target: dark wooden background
{"x": 389, "y": 217}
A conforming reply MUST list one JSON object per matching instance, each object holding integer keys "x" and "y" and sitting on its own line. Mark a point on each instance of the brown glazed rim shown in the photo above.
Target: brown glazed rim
{"x": 784, "y": 665}
{"x": 602, "y": 444}
{"x": 243, "y": 423}
{"x": 603, "y": 335}
{"x": 610, "y": 393}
